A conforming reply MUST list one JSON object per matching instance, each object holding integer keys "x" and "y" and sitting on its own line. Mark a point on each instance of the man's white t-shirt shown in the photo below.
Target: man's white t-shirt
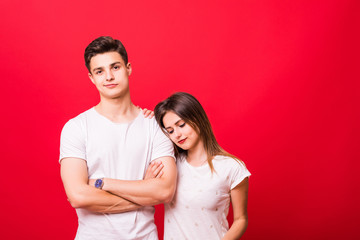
{"x": 120, "y": 151}
{"x": 202, "y": 199}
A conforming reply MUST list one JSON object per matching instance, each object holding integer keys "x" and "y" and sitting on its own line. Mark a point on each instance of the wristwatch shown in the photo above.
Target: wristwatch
{"x": 99, "y": 183}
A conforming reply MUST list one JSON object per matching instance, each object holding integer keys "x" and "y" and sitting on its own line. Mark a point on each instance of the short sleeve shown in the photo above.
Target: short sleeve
{"x": 238, "y": 173}
{"x": 72, "y": 140}
{"x": 162, "y": 146}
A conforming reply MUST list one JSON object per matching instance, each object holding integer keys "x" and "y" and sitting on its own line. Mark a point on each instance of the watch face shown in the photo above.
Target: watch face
{"x": 98, "y": 183}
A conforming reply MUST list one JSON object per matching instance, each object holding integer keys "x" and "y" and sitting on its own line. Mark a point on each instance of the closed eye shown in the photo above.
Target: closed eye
{"x": 182, "y": 125}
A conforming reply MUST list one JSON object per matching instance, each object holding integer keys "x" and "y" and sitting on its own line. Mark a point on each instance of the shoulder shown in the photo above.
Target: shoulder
{"x": 234, "y": 169}
{"x": 79, "y": 121}
{"x": 224, "y": 159}
{"x": 151, "y": 123}
{"x": 228, "y": 163}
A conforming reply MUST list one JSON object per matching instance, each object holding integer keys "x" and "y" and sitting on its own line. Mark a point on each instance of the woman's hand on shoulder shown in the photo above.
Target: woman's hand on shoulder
{"x": 147, "y": 113}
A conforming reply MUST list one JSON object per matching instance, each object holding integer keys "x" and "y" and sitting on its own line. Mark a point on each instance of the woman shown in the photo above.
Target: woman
{"x": 208, "y": 177}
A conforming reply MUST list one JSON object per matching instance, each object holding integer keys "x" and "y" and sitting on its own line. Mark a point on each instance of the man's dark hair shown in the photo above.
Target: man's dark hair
{"x": 102, "y": 45}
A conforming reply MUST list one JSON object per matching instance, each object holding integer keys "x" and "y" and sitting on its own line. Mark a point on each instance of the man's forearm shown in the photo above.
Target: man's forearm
{"x": 147, "y": 192}
{"x": 143, "y": 192}
{"x": 96, "y": 200}
{"x": 81, "y": 195}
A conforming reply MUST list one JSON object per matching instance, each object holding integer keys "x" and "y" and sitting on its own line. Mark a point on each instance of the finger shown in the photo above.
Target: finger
{"x": 154, "y": 165}
{"x": 158, "y": 169}
{"x": 160, "y": 174}
{"x": 146, "y": 112}
{"x": 149, "y": 171}
{"x": 152, "y": 169}
{"x": 151, "y": 115}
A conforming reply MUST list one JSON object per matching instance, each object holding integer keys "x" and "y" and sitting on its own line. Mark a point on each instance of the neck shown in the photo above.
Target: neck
{"x": 197, "y": 155}
{"x": 118, "y": 109}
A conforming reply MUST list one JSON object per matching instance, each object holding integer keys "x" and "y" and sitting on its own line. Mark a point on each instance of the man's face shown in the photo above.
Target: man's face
{"x": 110, "y": 75}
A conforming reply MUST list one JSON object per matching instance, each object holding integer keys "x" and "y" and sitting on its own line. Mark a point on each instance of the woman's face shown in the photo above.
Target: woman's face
{"x": 181, "y": 133}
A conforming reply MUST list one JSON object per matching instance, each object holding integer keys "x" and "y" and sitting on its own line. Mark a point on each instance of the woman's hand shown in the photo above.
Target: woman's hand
{"x": 148, "y": 113}
{"x": 154, "y": 170}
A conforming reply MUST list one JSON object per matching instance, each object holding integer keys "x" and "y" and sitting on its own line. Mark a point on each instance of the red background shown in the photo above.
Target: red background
{"x": 278, "y": 79}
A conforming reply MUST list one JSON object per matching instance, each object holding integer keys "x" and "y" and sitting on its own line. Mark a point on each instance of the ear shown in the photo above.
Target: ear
{"x": 129, "y": 69}
{"x": 91, "y": 78}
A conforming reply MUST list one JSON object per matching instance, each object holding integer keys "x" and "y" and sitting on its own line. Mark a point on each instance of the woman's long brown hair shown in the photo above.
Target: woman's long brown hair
{"x": 189, "y": 109}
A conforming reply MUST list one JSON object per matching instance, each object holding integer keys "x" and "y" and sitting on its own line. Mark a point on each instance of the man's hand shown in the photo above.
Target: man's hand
{"x": 154, "y": 170}
{"x": 74, "y": 175}
{"x": 92, "y": 182}
{"x": 158, "y": 187}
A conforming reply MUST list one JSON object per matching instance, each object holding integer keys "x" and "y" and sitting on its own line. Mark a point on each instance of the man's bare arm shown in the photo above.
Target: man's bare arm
{"x": 147, "y": 192}
{"x": 74, "y": 175}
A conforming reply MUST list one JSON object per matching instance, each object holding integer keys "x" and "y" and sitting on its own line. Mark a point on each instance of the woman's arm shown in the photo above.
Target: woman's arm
{"x": 239, "y": 197}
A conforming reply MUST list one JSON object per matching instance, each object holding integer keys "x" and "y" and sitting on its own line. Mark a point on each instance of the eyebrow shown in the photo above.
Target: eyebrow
{"x": 111, "y": 65}
{"x": 175, "y": 123}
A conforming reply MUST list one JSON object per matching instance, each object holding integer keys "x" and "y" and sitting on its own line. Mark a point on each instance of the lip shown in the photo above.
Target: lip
{"x": 110, "y": 85}
{"x": 182, "y": 141}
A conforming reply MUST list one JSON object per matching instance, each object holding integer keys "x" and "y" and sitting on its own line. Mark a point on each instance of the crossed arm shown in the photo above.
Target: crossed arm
{"x": 131, "y": 195}
{"x": 148, "y": 192}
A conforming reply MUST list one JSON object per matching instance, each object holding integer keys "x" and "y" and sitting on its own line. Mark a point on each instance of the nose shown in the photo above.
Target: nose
{"x": 109, "y": 75}
{"x": 177, "y": 133}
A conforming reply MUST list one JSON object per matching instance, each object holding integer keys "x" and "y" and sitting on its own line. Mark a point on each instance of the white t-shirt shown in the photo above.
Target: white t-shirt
{"x": 119, "y": 151}
{"x": 201, "y": 203}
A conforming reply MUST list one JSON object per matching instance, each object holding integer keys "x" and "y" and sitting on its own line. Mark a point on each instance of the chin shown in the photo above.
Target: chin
{"x": 183, "y": 147}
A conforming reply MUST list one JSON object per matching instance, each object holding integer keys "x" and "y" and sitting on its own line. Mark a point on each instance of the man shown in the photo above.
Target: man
{"x": 112, "y": 144}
